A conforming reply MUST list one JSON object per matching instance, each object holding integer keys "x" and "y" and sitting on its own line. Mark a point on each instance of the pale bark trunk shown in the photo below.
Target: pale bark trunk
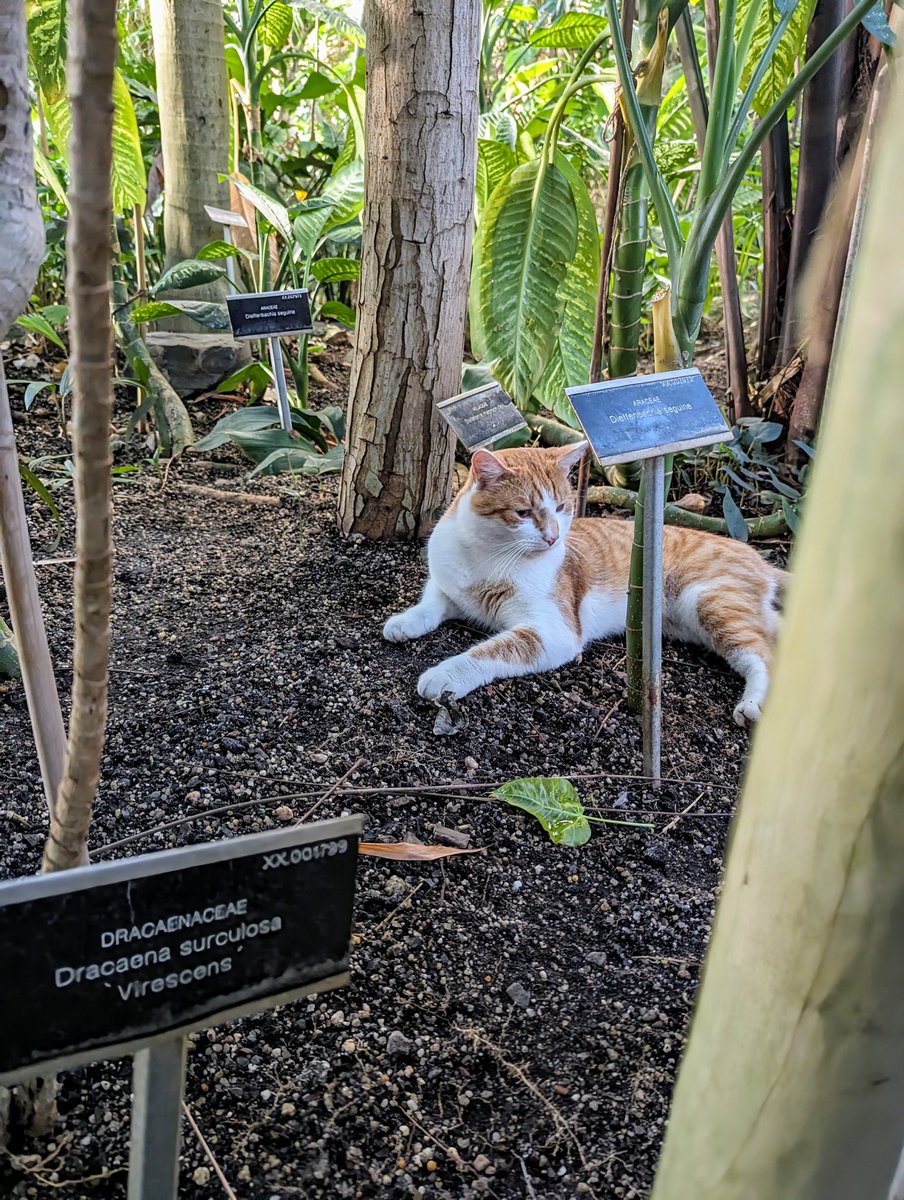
{"x": 421, "y": 143}
{"x": 92, "y": 58}
{"x": 793, "y": 1080}
{"x": 21, "y": 251}
{"x": 193, "y": 96}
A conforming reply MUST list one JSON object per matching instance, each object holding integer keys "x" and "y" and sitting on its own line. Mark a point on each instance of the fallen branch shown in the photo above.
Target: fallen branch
{"x": 229, "y": 497}
{"x": 208, "y": 1152}
{"x": 771, "y": 526}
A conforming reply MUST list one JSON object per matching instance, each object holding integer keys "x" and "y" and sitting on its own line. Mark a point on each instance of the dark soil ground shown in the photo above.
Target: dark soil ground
{"x": 515, "y": 1018}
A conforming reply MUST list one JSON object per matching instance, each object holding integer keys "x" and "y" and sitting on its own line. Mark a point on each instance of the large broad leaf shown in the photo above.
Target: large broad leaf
{"x": 555, "y": 804}
{"x": 318, "y": 85}
{"x": 298, "y": 462}
{"x": 129, "y": 177}
{"x": 734, "y": 519}
{"x": 340, "y": 201}
{"x": 189, "y": 273}
{"x": 578, "y": 289}
{"x": 495, "y": 160}
{"x": 574, "y": 31}
{"x": 216, "y": 250}
{"x": 276, "y": 25}
{"x": 38, "y": 323}
{"x": 877, "y": 24}
{"x": 204, "y": 312}
{"x": 498, "y": 127}
{"x": 253, "y": 419}
{"x": 271, "y": 210}
{"x": 528, "y": 237}
{"x": 340, "y": 21}
{"x": 781, "y": 67}
{"x": 9, "y": 659}
{"x": 335, "y": 310}
{"x": 336, "y": 270}
{"x": 46, "y": 24}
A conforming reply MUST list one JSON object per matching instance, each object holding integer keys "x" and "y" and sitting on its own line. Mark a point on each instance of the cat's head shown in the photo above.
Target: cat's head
{"x": 525, "y": 496}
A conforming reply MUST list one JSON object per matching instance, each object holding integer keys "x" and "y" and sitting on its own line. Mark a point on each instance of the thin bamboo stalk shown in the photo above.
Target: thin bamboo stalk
{"x": 25, "y": 610}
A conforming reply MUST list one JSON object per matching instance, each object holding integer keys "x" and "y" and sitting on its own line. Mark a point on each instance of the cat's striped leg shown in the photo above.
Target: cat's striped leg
{"x": 428, "y": 614}
{"x": 520, "y": 651}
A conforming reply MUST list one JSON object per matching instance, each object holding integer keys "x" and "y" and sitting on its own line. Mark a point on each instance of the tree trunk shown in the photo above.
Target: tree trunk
{"x": 777, "y": 220}
{"x": 192, "y": 92}
{"x": 21, "y": 251}
{"x": 793, "y": 1081}
{"x": 421, "y": 122}
{"x": 92, "y": 59}
{"x": 817, "y": 170}
{"x": 826, "y": 290}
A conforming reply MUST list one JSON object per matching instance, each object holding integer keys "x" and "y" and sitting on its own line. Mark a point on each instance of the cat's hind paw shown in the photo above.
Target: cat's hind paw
{"x": 747, "y": 713}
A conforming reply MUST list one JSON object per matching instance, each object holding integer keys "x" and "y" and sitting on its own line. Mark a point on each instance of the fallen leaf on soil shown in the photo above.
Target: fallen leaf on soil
{"x": 412, "y": 852}
{"x": 450, "y": 718}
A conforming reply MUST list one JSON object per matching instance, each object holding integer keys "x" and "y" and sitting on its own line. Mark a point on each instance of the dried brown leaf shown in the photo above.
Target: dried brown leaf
{"x": 412, "y": 851}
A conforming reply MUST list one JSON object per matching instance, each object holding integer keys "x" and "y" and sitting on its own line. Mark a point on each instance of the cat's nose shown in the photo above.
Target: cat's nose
{"x": 550, "y": 538}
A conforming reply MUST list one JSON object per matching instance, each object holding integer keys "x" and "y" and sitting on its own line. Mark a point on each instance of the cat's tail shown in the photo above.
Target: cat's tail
{"x": 781, "y": 579}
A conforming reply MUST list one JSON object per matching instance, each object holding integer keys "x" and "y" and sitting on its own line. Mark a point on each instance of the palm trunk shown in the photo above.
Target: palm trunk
{"x": 817, "y": 170}
{"x": 419, "y": 190}
{"x": 92, "y": 59}
{"x": 777, "y": 219}
{"x": 792, "y": 1084}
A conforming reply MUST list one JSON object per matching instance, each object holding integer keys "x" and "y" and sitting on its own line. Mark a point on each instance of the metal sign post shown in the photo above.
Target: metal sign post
{"x": 647, "y": 417}
{"x": 136, "y": 954}
{"x": 654, "y": 503}
{"x": 279, "y": 376}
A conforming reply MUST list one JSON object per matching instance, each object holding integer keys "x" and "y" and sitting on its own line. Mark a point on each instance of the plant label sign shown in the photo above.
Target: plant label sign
{"x": 101, "y": 961}
{"x": 646, "y": 416}
{"x": 270, "y": 314}
{"x": 482, "y": 416}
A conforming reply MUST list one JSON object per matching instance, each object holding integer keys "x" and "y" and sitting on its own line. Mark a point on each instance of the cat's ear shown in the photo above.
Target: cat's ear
{"x": 569, "y": 456}
{"x": 487, "y": 468}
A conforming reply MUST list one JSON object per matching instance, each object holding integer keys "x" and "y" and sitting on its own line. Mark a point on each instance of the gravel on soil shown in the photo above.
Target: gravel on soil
{"x": 515, "y": 1018}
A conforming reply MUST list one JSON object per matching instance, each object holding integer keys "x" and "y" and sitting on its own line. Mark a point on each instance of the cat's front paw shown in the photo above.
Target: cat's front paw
{"x": 406, "y": 626}
{"x": 458, "y": 675}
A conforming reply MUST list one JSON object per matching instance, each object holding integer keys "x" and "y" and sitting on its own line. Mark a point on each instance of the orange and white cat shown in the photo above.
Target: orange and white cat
{"x": 509, "y": 556}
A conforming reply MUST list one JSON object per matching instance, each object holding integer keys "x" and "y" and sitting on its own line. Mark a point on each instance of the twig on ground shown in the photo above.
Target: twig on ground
{"x": 333, "y": 789}
{"x": 614, "y": 709}
{"x": 211, "y": 1158}
{"x": 562, "y": 1126}
{"x": 684, "y": 811}
{"x": 403, "y": 903}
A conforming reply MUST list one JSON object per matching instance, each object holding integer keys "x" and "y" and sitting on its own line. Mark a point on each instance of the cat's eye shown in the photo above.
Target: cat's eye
{"x": 560, "y": 508}
{"x": 522, "y": 512}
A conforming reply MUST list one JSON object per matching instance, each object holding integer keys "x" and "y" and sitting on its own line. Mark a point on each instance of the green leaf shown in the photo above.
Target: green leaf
{"x": 555, "y": 804}
{"x": 300, "y": 462}
{"x": 252, "y": 420}
{"x": 317, "y": 85}
{"x": 498, "y": 127}
{"x": 48, "y": 172}
{"x": 876, "y": 23}
{"x": 336, "y": 270}
{"x": 528, "y": 237}
{"x": 37, "y": 323}
{"x": 33, "y": 389}
{"x": 495, "y": 160}
{"x": 258, "y": 444}
{"x": 574, "y": 31}
{"x": 41, "y": 490}
{"x": 521, "y": 12}
{"x": 737, "y": 526}
{"x": 189, "y": 273}
{"x": 129, "y": 178}
{"x": 340, "y": 21}
{"x": 791, "y": 515}
{"x": 216, "y": 250}
{"x": 258, "y": 374}
{"x": 205, "y": 312}
{"x": 130, "y": 181}
{"x": 271, "y": 210}
{"x": 9, "y": 659}
{"x": 341, "y": 200}
{"x": 337, "y": 311}
{"x": 781, "y": 68}
{"x": 578, "y": 289}
{"x": 276, "y": 25}
{"x": 47, "y": 44}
